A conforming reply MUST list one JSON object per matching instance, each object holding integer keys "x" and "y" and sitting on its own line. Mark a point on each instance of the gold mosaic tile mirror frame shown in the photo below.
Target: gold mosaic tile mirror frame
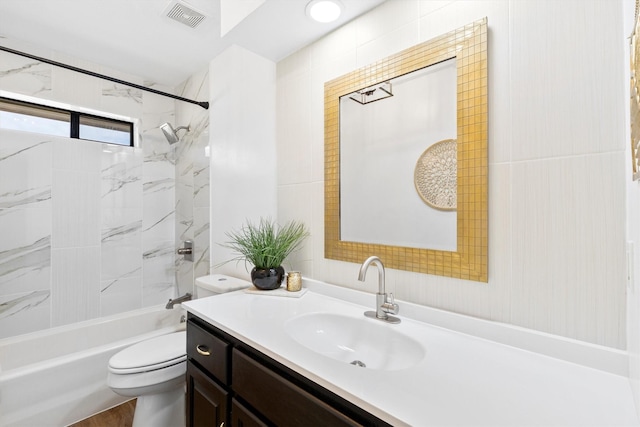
{"x": 635, "y": 96}
{"x": 468, "y": 45}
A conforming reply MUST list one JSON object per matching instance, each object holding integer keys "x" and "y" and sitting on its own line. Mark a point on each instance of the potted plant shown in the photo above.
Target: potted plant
{"x": 266, "y": 245}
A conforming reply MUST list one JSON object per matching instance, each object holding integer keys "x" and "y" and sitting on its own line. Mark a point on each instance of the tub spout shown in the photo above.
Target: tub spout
{"x": 183, "y": 298}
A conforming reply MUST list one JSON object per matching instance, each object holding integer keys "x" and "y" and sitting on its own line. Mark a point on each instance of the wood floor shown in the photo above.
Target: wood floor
{"x": 120, "y": 416}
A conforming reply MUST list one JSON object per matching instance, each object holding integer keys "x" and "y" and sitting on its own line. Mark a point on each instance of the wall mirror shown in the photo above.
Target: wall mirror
{"x": 381, "y": 140}
{"x": 406, "y": 166}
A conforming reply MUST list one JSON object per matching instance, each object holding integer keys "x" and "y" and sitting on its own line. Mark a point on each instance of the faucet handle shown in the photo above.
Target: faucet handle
{"x": 389, "y": 305}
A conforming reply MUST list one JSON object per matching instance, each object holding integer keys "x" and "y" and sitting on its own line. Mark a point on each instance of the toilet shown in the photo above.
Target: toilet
{"x": 154, "y": 370}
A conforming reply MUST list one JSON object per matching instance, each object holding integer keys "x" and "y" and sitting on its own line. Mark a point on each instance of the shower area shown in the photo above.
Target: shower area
{"x": 90, "y": 230}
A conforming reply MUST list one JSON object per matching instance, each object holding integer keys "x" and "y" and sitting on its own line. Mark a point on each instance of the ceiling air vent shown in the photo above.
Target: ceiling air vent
{"x": 184, "y": 14}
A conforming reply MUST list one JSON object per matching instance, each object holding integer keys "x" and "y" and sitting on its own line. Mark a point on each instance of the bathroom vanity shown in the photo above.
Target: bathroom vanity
{"x": 231, "y": 383}
{"x": 317, "y": 360}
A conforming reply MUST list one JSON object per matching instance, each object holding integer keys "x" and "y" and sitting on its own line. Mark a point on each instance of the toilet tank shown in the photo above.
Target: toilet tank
{"x": 214, "y": 284}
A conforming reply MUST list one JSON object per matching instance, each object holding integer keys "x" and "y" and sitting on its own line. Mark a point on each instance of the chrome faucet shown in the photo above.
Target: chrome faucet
{"x": 183, "y": 298}
{"x": 384, "y": 302}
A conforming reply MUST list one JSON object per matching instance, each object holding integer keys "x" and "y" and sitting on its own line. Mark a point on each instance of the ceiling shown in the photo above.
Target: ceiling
{"x": 136, "y": 36}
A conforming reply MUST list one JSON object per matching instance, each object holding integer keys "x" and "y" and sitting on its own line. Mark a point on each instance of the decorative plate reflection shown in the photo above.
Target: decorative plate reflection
{"x": 436, "y": 175}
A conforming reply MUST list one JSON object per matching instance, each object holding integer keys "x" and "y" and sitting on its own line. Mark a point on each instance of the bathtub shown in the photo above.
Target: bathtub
{"x": 58, "y": 376}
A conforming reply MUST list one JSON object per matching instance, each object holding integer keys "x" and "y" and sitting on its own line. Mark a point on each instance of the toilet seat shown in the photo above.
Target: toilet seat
{"x": 150, "y": 355}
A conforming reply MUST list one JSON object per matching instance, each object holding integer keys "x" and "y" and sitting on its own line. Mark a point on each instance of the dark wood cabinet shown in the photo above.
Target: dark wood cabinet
{"x": 207, "y": 402}
{"x": 279, "y": 400}
{"x": 209, "y": 352}
{"x": 232, "y": 383}
{"x": 243, "y": 417}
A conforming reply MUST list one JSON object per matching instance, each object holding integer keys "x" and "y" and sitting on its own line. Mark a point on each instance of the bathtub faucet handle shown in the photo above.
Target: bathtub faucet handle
{"x": 186, "y": 251}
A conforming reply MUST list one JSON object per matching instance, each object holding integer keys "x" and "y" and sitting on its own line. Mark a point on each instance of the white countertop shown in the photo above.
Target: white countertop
{"x": 462, "y": 381}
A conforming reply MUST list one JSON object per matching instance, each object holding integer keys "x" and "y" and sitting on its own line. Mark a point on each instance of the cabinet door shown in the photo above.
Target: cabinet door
{"x": 243, "y": 417}
{"x": 207, "y": 402}
{"x": 278, "y": 400}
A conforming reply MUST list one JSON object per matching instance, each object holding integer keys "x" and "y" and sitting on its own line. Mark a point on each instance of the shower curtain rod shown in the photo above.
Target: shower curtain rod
{"x": 204, "y": 105}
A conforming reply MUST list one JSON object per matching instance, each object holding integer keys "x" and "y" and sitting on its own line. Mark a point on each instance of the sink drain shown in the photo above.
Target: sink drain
{"x": 358, "y": 363}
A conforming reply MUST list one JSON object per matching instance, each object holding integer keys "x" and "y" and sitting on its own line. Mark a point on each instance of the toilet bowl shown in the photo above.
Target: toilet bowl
{"x": 154, "y": 370}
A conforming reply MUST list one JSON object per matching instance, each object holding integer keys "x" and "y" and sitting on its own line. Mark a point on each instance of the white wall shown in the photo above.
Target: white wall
{"x": 556, "y": 159}
{"x": 633, "y": 229}
{"x": 243, "y": 156}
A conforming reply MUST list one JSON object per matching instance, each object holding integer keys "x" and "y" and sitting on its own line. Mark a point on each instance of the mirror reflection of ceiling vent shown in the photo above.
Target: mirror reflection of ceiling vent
{"x": 184, "y": 14}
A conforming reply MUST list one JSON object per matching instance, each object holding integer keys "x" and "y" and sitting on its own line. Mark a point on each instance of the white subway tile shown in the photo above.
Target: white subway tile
{"x": 75, "y": 287}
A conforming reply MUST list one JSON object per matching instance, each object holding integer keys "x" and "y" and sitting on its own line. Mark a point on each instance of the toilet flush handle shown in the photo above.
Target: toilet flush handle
{"x": 203, "y": 350}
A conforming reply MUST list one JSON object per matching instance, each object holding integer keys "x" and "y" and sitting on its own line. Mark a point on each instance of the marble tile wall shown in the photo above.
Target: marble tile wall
{"x": 158, "y": 204}
{"x": 88, "y": 229}
{"x": 192, "y": 181}
{"x": 25, "y": 224}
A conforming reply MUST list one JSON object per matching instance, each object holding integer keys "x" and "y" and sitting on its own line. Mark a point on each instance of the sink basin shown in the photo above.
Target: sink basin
{"x": 362, "y": 342}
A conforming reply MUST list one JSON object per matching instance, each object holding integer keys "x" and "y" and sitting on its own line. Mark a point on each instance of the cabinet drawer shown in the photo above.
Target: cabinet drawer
{"x": 211, "y": 353}
{"x": 280, "y": 401}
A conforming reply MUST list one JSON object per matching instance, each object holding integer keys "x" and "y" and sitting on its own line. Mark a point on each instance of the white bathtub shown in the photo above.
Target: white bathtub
{"x": 58, "y": 376}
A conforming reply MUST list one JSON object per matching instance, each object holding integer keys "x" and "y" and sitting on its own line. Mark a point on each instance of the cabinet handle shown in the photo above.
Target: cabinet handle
{"x": 203, "y": 350}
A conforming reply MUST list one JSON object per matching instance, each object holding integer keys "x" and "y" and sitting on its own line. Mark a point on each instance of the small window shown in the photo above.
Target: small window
{"x": 105, "y": 130}
{"x": 29, "y": 117}
{"x": 33, "y": 118}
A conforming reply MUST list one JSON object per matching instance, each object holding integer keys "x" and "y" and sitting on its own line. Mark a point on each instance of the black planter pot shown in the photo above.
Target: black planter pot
{"x": 267, "y": 278}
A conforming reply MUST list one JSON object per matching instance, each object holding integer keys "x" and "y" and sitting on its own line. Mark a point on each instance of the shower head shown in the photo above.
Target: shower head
{"x": 170, "y": 133}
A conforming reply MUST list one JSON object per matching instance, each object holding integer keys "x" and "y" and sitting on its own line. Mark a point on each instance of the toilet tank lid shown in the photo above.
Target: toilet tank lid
{"x": 220, "y": 283}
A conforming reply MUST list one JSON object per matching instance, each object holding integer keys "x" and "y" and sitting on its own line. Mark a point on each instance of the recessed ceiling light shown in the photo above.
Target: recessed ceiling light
{"x": 324, "y": 10}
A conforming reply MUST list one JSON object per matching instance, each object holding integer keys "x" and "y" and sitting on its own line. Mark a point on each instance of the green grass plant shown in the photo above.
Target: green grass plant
{"x": 265, "y": 244}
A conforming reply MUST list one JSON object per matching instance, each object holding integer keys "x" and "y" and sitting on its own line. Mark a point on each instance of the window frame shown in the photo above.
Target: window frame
{"x": 75, "y": 115}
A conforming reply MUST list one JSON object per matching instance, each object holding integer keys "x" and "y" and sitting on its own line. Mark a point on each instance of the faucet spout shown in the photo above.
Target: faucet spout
{"x": 384, "y": 303}
{"x": 363, "y": 272}
{"x": 183, "y": 298}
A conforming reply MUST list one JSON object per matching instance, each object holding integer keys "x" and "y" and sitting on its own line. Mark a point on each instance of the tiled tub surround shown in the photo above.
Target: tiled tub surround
{"x": 463, "y": 379}
{"x": 64, "y": 369}
{"x": 91, "y": 229}
{"x": 81, "y": 223}
{"x": 192, "y": 181}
